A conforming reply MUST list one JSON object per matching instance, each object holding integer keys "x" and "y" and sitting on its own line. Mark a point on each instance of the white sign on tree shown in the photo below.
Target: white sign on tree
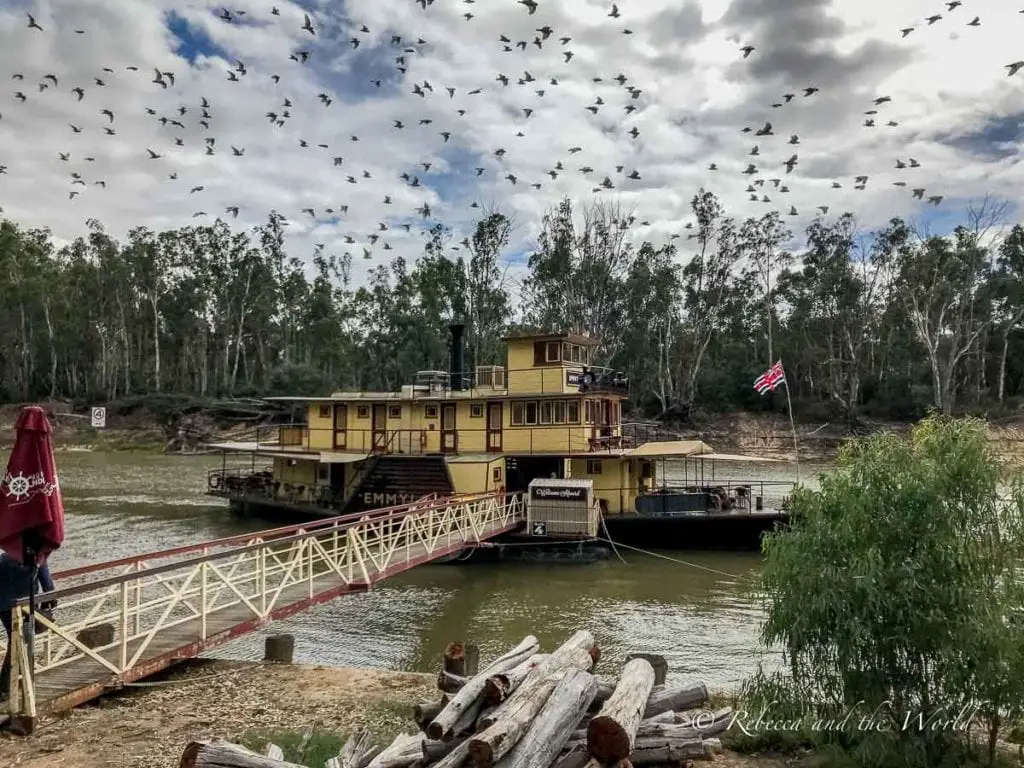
{"x": 99, "y": 417}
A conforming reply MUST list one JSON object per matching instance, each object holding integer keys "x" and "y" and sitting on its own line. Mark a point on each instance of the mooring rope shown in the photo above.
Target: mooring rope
{"x": 670, "y": 559}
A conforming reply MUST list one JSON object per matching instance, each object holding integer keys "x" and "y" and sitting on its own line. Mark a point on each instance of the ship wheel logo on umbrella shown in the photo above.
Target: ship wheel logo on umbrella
{"x": 17, "y": 485}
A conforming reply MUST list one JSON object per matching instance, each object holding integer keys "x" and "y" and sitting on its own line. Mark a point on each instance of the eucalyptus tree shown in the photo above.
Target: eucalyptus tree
{"x": 487, "y": 299}
{"x": 1008, "y": 296}
{"x": 941, "y": 281}
{"x": 577, "y": 271}
{"x": 706, "y": 281}
{"x": 761, "y": 241}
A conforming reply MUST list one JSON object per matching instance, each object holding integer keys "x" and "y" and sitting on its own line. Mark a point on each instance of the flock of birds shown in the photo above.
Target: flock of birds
{"x": 768, "y": 167}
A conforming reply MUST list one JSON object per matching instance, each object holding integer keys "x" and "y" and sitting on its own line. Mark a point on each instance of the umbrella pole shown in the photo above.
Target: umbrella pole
{"x": 31, "y": 628}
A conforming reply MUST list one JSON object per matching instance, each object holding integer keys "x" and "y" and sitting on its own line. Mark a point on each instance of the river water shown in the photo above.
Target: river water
{"x": 705, "y": 619}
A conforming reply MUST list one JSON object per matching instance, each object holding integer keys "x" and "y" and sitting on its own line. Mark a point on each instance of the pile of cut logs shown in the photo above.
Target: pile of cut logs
{"x": 529, "y": 710}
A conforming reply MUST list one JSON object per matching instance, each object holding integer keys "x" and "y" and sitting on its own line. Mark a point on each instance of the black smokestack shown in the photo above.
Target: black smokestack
{"x": 456, "y": 372}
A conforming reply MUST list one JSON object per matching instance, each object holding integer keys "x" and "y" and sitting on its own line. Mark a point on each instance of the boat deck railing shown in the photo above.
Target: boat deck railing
{"x": 741, "y": 497}
{"x": 539, "y": 439}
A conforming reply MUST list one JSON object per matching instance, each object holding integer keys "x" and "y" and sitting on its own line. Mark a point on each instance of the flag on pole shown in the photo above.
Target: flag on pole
{"x": 770, "y": 379}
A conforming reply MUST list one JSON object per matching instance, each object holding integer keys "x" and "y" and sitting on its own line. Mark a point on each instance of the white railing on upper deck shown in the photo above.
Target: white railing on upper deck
{"x": 152, "y": 606}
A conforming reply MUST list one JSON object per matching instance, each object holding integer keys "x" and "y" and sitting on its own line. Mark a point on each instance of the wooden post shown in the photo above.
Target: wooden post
{"x": 610, "y": 735}
{"x": 658, "y": 662}
{"x": 279, "y": 648}
{"x": 462, "y": 659}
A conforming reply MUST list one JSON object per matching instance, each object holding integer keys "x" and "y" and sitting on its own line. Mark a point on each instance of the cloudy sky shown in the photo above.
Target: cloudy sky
{"x": 679, "y": 63}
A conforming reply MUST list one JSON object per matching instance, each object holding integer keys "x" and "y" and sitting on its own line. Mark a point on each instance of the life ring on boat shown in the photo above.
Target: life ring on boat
{"x": 215, "y": 481}
{"x": 588, "y": 379}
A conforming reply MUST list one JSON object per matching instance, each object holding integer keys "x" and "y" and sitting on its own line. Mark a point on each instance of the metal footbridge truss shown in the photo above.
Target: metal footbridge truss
{"x": 120, "y": 621}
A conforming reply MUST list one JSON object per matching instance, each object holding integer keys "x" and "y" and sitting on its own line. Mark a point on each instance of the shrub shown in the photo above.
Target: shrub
{"x": 894, "y": 592}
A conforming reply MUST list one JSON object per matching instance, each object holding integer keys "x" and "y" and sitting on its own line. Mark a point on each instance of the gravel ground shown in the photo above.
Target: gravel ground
{"x": 148, "y": 727}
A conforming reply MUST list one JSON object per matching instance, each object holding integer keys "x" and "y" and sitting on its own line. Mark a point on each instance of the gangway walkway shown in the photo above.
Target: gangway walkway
{"x": 123, "y": 620}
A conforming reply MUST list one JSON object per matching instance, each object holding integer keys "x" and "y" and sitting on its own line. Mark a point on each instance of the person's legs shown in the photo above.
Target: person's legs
{"x": 5, "y": 669}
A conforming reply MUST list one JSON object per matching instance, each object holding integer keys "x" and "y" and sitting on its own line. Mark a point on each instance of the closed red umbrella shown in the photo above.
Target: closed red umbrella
{"x": 31, "y": 507}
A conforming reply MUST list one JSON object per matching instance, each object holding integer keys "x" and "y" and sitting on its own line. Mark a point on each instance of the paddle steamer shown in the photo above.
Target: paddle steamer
{"x": 547, "y": 423}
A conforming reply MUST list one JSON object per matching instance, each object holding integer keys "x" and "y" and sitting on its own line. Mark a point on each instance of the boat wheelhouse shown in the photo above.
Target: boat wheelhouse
{"x": 547, "y": 413}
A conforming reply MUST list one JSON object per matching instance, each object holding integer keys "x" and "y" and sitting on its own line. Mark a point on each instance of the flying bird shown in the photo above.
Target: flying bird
{"x": 1014, "y": 68}
{"x": 308, "y": 25}
{"x": 32, "y": 22}
{"x": 747, "y": 50}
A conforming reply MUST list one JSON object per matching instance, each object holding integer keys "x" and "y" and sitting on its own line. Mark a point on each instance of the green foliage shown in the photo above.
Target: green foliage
{"x": 896, "y": 592}
{"x": 881, "y": 323}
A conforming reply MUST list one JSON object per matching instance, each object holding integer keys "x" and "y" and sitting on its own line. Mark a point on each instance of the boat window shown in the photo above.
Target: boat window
{"x": 325, "y": 411}
{"x": 476, "y": 410}
{"x": 517, "y": 414}
{"x": 430, "y": 411}
{"x": 395, "y": 412}
{"x": 497, "y": 474}
{"x": 572, "y": 411}
{"x": 616, "y": 412}
{"x": 340, "y": 417}
{"x": 593, "y": 466}
{"x": 531, "y": 412}
{"x": 585, "y": 355}
{"x": 545, "y": 412}
{"x": 363, "y": 412}
{"x": 559, "y": 412}
{"x": 588, "y": 411}
{"x": 553, "y": 352}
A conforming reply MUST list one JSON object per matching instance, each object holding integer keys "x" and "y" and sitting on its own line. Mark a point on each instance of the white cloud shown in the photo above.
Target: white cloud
{"x": 945, "y": 80}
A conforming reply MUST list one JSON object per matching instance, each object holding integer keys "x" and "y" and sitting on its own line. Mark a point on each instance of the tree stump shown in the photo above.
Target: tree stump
{"x": 279, "y": 648}
{"x": 462, "y": 659}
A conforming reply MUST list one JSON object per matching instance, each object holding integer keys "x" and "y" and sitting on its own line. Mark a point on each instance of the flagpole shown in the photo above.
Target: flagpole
{"x": 792, "y": 425}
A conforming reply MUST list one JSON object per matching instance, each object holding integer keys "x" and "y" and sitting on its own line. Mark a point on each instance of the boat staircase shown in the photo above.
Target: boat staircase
{"x": 123, "y": 620}
{"x": 396, "y": 479}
